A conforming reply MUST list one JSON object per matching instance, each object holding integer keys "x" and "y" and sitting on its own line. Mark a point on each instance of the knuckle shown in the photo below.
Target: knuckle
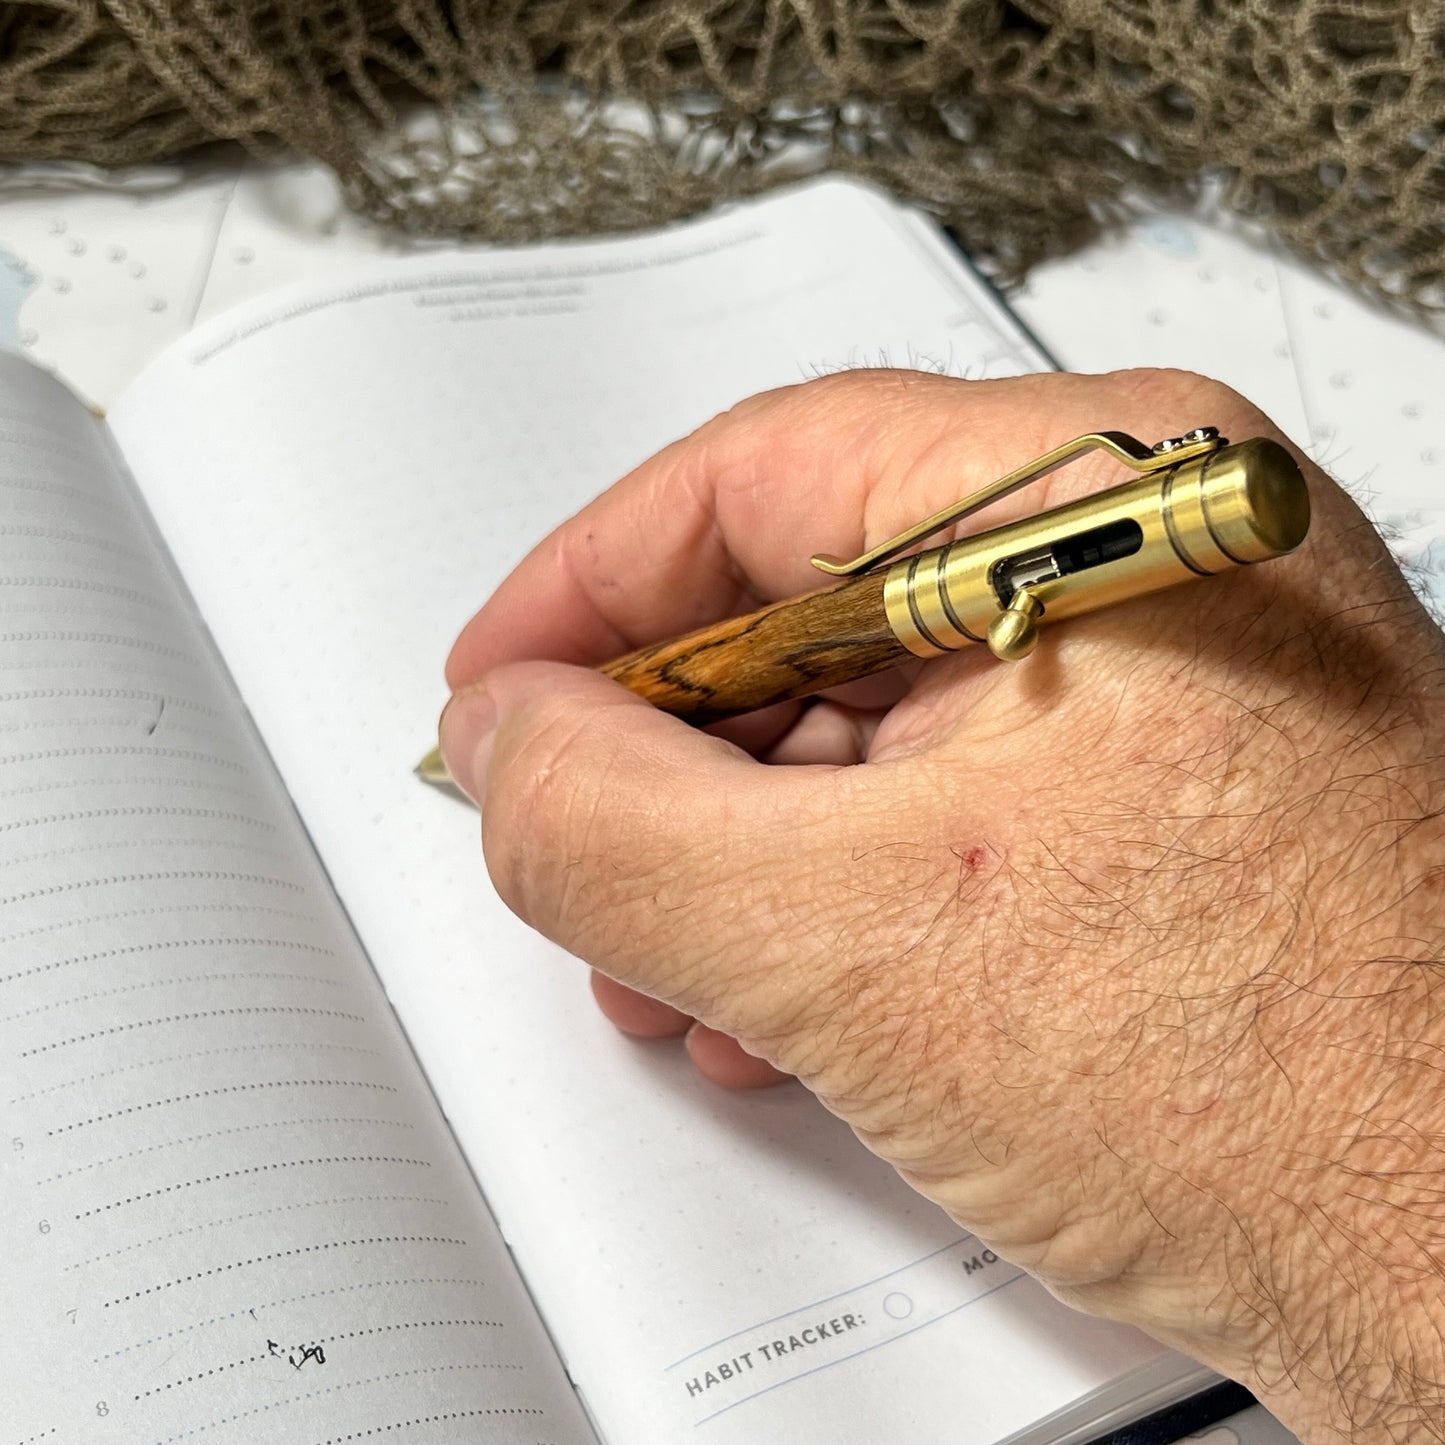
{"x": 1182, "y": 393}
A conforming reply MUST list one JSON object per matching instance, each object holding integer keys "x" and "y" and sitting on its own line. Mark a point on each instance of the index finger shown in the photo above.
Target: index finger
{"x": 726, "y": 519}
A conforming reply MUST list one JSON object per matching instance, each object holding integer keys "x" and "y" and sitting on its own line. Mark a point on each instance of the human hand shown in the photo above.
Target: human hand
{"x": 1126, "y": 955}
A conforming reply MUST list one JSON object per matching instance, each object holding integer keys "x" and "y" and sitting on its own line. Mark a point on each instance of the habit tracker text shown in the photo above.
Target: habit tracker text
{"x": 726, "y": 1371}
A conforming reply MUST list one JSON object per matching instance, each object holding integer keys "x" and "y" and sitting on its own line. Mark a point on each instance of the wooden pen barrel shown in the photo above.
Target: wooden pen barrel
{"x": 788, "y": 650}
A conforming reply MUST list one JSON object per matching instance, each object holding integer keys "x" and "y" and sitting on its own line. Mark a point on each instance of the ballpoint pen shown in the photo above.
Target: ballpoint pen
{"x": 1196, "y": 506}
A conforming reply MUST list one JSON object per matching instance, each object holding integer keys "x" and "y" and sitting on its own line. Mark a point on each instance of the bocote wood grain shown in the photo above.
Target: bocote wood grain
{"x": 787, "y": 650}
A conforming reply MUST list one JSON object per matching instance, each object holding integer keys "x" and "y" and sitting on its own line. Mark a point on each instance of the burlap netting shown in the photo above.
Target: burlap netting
{"x": 1022, "y": 125}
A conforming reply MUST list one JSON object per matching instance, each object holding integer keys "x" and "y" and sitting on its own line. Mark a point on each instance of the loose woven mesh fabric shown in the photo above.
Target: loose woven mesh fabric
{"x": 1024, "y": 126}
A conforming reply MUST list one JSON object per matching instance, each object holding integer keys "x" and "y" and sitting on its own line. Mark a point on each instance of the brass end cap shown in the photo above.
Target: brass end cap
{"x": 1256, "y": 501}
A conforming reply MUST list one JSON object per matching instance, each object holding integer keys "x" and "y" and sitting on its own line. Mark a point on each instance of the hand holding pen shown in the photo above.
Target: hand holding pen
{"x": 1123, "y": 954}
{"x": 1195, "y": 507}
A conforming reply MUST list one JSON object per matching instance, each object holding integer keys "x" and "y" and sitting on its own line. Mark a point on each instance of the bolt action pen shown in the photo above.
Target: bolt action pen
{"x": 1196, "y": 507}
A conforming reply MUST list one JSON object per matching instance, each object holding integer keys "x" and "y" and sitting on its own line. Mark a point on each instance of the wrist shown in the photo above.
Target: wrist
{"x": 1333, "y": 1254}
{"x": 1359, "y": 1372}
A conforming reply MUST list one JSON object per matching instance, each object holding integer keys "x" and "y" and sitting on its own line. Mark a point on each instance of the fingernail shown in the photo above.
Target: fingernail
{"x": 468, "y": 724}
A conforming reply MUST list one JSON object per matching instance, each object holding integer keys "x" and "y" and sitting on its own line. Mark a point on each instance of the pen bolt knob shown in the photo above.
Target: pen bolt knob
{"x": 1013, "y": 633}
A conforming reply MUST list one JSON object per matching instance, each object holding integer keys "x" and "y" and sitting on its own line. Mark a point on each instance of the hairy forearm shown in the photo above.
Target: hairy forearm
{"x": 1302, "y": 1254}
{"x": 1360, "y": 1376}
{"x": 1348, "y": 1274}
{"x": 1319, "y": 1226}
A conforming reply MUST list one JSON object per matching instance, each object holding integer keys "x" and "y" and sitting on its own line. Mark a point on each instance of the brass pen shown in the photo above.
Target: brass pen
{"x": 1196, "y": 506}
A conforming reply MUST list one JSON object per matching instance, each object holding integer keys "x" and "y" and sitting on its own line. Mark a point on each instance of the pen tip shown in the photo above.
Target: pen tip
{"x": 433, "y": 769}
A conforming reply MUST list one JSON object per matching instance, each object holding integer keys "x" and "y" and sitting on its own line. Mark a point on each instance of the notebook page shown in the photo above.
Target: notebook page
{"x": 343, "y": 472}
{"x": 234, "y": 1212}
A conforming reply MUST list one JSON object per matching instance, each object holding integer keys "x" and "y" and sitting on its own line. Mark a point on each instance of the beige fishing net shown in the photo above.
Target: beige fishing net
{"x": 1024, "y": 126}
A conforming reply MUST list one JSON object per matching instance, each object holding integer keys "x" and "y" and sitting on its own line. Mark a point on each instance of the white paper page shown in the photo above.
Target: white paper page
{"x": 343, "y": 474}
{"x": 1173, "y": 291}
{"x": 233, "y": 1210}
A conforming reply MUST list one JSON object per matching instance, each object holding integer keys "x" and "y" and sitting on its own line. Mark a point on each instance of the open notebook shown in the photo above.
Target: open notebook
{"x": 307, "y": 1139}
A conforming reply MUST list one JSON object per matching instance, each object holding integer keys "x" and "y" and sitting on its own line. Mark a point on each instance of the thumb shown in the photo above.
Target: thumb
{"x": 664, "y": 856}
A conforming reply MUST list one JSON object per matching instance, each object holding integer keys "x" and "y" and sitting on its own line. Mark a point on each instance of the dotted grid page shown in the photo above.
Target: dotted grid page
{"x": 1376, "y": 403}
{"x": 1173, "y": 291}
{"x": 233, "y": 1210}
{"x": 343, "y": 473}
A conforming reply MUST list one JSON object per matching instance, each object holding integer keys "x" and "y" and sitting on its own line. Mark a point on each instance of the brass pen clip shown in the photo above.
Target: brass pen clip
{"x": 1120, "y": 445}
